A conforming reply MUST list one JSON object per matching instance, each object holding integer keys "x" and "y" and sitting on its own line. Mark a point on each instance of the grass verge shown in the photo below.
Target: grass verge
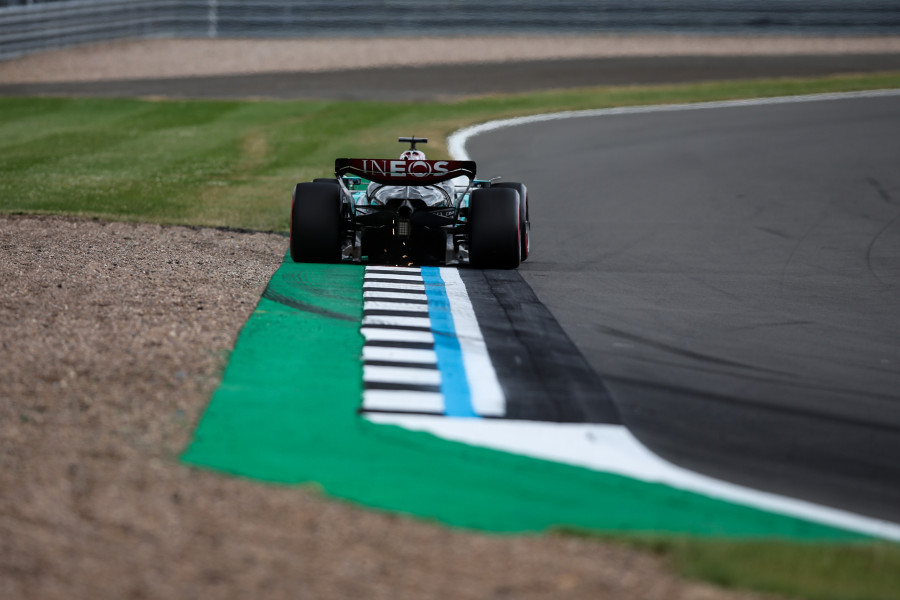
{"x": 233, "y": 164}
{"x": 221, "y": 163}
{"x": 863, "y": 571}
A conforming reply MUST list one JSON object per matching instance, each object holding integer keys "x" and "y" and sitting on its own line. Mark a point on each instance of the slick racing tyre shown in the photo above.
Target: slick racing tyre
{"x": 316, "y": 223}
{"x": 494, "y": 240}
{"x": 524, "y": 218}
{"x": 325, "y": 180}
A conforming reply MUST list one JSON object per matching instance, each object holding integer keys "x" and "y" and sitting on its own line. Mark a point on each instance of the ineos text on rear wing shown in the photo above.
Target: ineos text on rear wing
{"x": 388, "y": 171}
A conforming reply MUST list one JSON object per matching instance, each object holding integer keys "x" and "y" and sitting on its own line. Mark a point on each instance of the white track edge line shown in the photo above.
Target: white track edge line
{"x": 613, "y": 449}
{"x": 456, "y": 143}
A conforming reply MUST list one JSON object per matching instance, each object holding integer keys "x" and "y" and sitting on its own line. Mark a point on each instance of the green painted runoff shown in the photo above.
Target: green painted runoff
{"x": 286, "y": 412}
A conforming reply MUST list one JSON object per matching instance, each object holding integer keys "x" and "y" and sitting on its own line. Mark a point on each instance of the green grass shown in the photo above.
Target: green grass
{"x": 234, "y": 163}
{"x": 864, "y": 571}
{"x": 825, "y": 572}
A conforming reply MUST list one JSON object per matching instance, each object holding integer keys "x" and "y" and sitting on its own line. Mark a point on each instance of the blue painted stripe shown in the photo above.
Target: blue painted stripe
{"x": 454, "y": 385}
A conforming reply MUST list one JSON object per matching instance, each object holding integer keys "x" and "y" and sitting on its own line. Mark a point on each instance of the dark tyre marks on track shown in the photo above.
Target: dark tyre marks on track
{"x": 543, "y": 375}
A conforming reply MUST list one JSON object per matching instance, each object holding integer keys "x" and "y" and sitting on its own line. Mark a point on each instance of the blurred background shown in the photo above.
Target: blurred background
{"x": 29, "y": 25}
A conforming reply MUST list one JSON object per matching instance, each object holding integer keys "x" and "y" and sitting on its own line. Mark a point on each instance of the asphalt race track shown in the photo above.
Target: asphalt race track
{"x": 449, "y": 81}
{"x": 734, "y": 276}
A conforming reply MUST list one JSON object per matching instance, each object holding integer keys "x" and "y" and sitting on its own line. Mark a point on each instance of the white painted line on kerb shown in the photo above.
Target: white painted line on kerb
{"x": 396, "y": 335}
{"x": 400, "y": 355}
{"x": 615, "y": 440}
{"x": 395, "y": 321}
{"x": 407, "y": 375}
{"x": 389, "y": 268}
{"x": 403, "y": 400}
{"x": 393, "y": 277}
{"x": 389, "y": 285}
{"x": 396, "y": 306}
{"x": 395, "y": 296}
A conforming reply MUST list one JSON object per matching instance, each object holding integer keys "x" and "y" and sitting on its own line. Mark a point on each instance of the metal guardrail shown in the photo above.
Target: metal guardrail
{"x": 29, "y": 25}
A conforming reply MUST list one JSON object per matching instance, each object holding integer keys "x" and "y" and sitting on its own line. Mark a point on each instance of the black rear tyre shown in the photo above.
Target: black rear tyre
{"x": 524, "y": 218}
{"x": 316, "y": 223}
{"x": 494, "y": 239}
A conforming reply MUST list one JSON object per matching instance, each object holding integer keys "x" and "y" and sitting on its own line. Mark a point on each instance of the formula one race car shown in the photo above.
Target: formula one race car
{"x": 410, "y": 211}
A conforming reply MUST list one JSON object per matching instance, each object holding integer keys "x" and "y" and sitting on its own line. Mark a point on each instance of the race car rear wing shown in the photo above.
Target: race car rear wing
{"x": 389, "y": 171}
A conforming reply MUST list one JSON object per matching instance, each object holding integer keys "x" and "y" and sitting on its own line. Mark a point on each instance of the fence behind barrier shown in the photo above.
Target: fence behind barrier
{"x": 28, "y": 25}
